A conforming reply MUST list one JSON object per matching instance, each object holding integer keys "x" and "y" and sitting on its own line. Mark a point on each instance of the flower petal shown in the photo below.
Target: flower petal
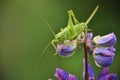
{"x": 67, "y": 49}
{"x": 103, "y": 56}
{"x": 61, "y": 74}
{"x": 104, "y": 72}
{"x": 105, "y": 75}
{"x": 90, "y": 71}
{"x": 89, "y": 36}
{"x": 89, "y": 42}
{"x": 72, "y": 77}
{"x": 107, "y": 40}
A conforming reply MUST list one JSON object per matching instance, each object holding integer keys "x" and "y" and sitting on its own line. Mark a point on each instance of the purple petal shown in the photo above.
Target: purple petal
{"x": 112, "y": 49}
{"x": 89, "y": 36}
{"x": 105, "y": 75}
{"x": 103, "y": 56}
{"x": 90, "y": 47}
{"x": 109, "y": 77}
{"x": 61, "y": 74}
{"x": 67, "y": 49}
{"x": 72, "y": 77}
{"x": 90, "y": 71}
{"x": 89, "y": 42}
{"x": 107, "y": 40}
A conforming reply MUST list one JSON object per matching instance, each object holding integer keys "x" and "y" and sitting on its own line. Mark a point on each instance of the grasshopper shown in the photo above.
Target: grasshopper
{"x": 70, "y": 32}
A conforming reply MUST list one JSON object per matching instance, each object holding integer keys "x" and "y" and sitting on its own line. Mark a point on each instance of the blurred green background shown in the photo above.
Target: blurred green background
{"x": 23, "y": 36}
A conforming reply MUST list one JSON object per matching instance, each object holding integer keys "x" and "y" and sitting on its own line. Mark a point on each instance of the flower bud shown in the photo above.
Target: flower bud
{"x": 91, "y": 72}
{"x": 107, "y": 40}
{"x": 63, "y": 75}
{"x": 103, "y": 56}
{"x": 89, "y": 36}
{"x": 105, "y": 75}
{"x": 67, "y": 49}
{"x": 89, "y": 42}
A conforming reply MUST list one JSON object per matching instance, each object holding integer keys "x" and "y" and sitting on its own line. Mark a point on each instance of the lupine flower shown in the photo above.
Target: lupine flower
{"x": 105, "y": 75}
{"x": 91, "y": 74}
{"x": 63, "y": 75}
{"x": 104, "y": 52}
{"x": 107, "y": 40}
{"x": 103, "y": 56}
{"x": 67, "y": 49}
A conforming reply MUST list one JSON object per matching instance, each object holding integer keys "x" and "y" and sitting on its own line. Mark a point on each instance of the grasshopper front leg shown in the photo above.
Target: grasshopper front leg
{"x": 53, "y": 44}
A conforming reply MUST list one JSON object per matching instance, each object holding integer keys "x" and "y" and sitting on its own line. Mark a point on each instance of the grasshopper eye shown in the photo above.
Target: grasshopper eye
{"x": 67, "y": 49}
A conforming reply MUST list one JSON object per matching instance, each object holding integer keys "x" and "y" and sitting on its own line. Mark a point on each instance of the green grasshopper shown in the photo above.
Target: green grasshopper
{"x": 73, "y": 29}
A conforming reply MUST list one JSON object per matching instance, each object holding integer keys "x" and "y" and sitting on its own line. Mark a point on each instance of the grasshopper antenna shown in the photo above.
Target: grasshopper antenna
{"x": 91, "y": 16}
{"x": 48, "y": 25}
{"x": 42, "y": 53}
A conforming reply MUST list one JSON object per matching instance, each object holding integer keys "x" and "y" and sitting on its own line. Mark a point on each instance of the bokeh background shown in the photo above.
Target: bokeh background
{"x": 24, "y": 35}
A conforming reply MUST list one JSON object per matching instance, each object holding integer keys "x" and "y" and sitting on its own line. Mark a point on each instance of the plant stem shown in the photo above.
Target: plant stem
{"x": 85, "y": 44}
{"x": 86, "y": 61}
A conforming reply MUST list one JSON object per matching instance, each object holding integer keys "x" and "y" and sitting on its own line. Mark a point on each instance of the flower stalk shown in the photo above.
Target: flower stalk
{"x": 86, "y": 60}
{"x": 86, "y": 76}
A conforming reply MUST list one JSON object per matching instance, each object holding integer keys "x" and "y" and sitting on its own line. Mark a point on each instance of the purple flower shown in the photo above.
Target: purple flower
{"x": 90, "y": 71}
{"x": 103, "y": 56}
{"x": 89, "y": 42}
{"x": 63, "y": 75}
{"x": 67, "y": 49}
{"x": 72, "y": 77}
{"x": 105, "y": 75}
{"x": 89, "y": 36}
{"x": 107, "y": 40}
